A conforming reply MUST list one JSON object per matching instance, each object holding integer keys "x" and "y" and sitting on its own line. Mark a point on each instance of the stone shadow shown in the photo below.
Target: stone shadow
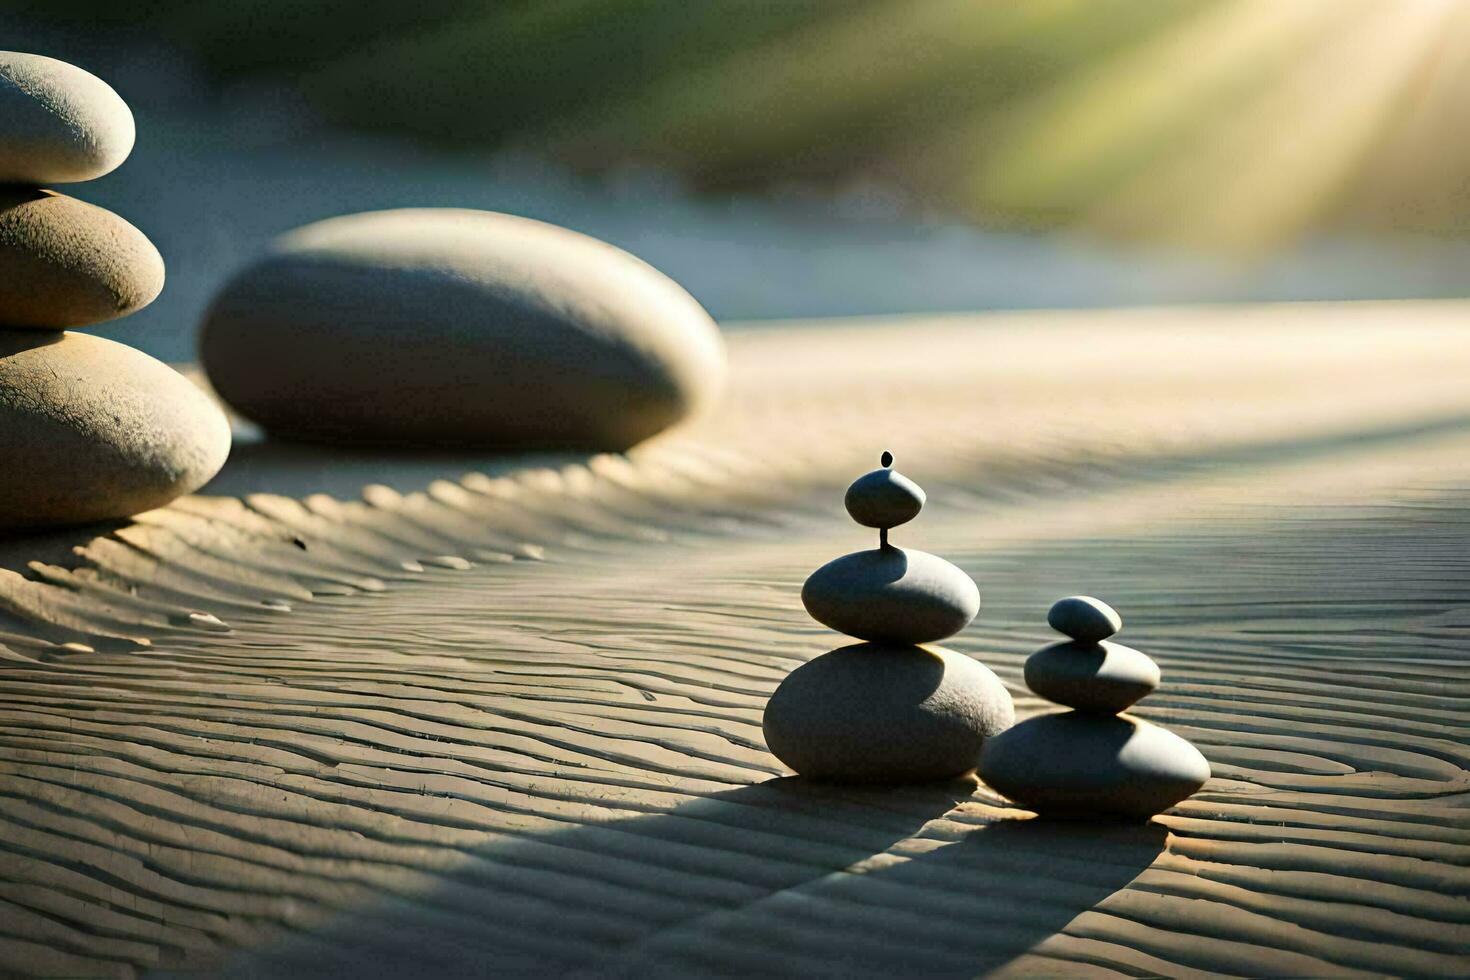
{"x": 783, "y": 877}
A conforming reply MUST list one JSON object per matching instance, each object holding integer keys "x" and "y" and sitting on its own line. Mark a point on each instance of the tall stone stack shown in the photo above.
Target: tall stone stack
{"x": 889, "y": 710}
{"x": 89, "y": 429}
{"x": 1092, "y": 761}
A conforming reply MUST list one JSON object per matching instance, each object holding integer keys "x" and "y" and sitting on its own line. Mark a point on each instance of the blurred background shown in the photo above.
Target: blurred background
{"x": 810, "y": 158}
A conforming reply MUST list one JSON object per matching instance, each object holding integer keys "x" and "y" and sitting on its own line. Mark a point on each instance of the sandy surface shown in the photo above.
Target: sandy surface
{"x": 509, "y": 721}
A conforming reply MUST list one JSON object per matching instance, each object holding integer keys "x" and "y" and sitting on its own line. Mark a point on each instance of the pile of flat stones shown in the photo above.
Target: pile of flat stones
{"x": 89, "y": 429}
{"x": 888, "y": 710}
{"x": 1092, "y": 760}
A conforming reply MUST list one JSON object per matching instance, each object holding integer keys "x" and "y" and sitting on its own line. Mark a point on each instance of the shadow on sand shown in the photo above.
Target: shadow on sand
{"x": 297, "y": 469}
{"x": 783, "y": 877}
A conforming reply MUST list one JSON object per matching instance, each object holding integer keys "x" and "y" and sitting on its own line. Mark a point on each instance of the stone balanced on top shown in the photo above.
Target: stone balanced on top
{"x": 89, "y": 429}
{"x": 887, "y": 710}
{"x": 1091, "y": 761}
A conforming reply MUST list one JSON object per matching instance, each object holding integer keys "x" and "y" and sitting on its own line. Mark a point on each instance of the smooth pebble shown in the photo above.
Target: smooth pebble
{"x": 1084, "y": 618}
{"x": 1103, "y": 676}
{"x": 886, "y": 714}
{"x": 58, "y": 123}
{"x": 66, "y": 263}
{"x": 91, "y": 430}
{"x": 456, "y": 327}
{"x": 891, "y": 595}
{"x": 1076, "y": 764}
{"x": 883, "y": 498}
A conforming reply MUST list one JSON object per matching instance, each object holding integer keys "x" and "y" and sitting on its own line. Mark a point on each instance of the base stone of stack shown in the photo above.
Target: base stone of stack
{"x": 873, "y": 713}
{"x": 1076, "y": 764}
{"x": 92, "y": 430}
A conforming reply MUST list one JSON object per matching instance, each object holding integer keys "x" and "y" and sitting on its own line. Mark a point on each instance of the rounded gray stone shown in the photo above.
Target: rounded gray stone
{"x": 1099, "y": 677}
{"x": 871, "y": 713}
{"x": 66, "y": 263}
{"x": 459, "y": 328}
{"x": 1084, "y": 618}
{"x": 94, "y": 430}
{"x": 891, "y": 595}
{"x": 58, "y": 123}
{"x": 1076, "y": 764}
{"x": 884, "y": 498}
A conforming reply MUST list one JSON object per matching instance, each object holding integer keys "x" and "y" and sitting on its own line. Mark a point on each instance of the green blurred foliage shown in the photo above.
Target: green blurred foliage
{"x": 1152, "y": 118}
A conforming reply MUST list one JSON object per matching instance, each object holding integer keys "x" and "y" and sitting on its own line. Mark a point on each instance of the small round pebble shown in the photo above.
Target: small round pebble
{"x": 884, "y": 498}
{"x": 891, "y": 595}
{"x": 58, "y": 123}
{"x": 1099, "y": 677}
{"x": 1084, "y": 618}
{"x": 1087, "y": 765}
{"x": 67, "y": 263}
{"x": 871, "y": 713}
{"x": 91, "y": 430}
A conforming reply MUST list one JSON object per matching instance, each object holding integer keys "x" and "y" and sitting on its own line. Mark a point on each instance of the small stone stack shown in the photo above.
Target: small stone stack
{"x": 1091, "y": 761}
{"x": 888, "y": 710}
{"x": 89, "y": 429}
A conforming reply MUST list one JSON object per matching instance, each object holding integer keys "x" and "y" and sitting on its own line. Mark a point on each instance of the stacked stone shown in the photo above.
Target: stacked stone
{"x": 889, "y": 710}
{"x": 1091, "y": 761}
{"x": 89, "y": 429}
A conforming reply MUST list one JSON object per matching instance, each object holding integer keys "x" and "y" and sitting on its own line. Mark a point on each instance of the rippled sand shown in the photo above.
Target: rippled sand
{"x": 510, "y": 722}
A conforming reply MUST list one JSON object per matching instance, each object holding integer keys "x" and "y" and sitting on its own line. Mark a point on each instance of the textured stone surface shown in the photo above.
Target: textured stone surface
{"x": 66, "y": 263}
{"x": 1078, "y": 764}
{"x": 883, "y": 498}
{"x": 1099, "y": 677}
{"x": 891, "y": 595}
{"x": 91, "y": 429}
{"x": 58, "y": 123}
{"x": 456, "y": 327}
{"x": 1084, "y": 618}
{"x": 886, "y": 714}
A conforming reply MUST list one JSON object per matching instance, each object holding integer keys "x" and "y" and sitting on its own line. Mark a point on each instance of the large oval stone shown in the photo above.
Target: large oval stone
{"x": 66, "y": 263}
{"x": 891, "y": 595}
{"x": 1076, "y": 764}
{"x": 883, "y": 498}
{"x": 58, "y": 123}
{"x": 870, "y": 713}
{"x": 1106, "y": 677}
{"x": 91, "y": 430}
{"x": 455, "y": 327}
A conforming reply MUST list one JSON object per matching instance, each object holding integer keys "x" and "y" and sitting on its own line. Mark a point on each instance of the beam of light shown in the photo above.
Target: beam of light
{"x": 1273, "y": 163}
{"x": 1060, "y": 149}
{"x": 879, "y": 65}
{"x": 1419, "y": 177}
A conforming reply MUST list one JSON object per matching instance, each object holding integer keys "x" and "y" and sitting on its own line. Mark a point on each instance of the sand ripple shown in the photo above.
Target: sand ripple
{"x": 509, "y": 721}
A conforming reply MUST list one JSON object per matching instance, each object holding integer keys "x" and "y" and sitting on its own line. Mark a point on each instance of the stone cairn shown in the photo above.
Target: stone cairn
{"x": 887, "y": 710}
{"x": 89, "y": 429}
{"x": 1091, "y": 761}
